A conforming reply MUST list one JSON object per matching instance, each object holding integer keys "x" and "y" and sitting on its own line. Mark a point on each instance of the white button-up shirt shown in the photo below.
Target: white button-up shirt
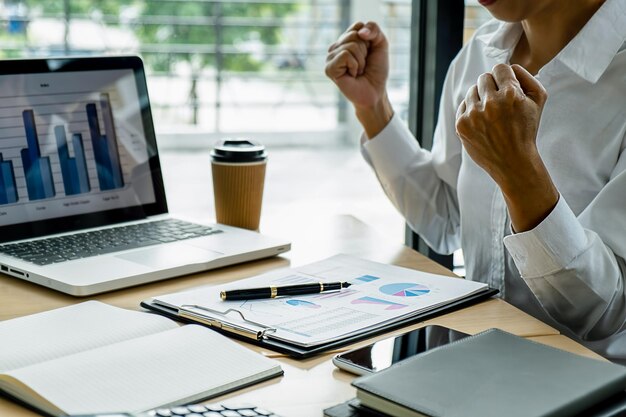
{"x": 570, "y": 270}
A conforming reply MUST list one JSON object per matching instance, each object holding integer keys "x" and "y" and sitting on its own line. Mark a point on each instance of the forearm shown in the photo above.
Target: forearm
{"x": 529, "y": 193}
{"x": 376, "y": 117}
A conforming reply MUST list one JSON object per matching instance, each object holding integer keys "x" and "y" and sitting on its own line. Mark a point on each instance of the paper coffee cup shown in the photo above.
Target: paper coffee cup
{"x": 238, "y": 167}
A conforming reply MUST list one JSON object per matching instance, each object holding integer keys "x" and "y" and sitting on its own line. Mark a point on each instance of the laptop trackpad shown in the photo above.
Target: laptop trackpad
{"x": 168, "y": 256}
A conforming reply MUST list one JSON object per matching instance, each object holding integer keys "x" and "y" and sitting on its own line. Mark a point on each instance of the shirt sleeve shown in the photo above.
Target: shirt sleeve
{"x": 422, "y": 184}
{"x": 575, "y": 265}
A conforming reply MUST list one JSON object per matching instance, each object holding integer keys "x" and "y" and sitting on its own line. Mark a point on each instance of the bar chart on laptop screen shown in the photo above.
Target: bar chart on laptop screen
{"x": 70, "y": 147}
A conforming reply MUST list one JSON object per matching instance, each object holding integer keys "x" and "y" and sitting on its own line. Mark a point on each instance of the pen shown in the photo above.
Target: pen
{"x": 273, "y": 291}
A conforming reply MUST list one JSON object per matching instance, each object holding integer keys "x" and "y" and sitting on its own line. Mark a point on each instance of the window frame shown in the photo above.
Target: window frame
{"x": 436, "y": 38}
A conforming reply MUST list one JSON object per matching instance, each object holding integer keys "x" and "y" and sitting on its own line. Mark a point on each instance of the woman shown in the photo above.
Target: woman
{"x": 527, "y": 173}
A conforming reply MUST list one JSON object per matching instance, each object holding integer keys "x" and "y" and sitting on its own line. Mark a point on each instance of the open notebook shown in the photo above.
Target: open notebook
{"x": 94, "y": 358}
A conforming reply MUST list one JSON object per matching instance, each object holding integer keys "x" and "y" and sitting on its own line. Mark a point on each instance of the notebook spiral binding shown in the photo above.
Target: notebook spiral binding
{"x": 190, "y": 311}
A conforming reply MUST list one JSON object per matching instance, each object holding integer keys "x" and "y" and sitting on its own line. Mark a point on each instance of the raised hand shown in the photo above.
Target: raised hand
{"x": 358, "y": 63}
{"x": 497, "y": 123}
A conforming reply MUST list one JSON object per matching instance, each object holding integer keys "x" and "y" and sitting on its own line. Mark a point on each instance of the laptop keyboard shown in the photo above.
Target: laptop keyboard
{"x": 100, "y": 242}
{"x": 213, "y": 410}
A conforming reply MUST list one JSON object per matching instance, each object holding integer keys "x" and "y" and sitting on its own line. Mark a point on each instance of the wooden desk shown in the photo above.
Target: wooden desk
{"x": 311, "y": 385}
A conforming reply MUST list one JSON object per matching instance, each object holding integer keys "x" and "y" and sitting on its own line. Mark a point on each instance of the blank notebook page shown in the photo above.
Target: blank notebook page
{"x": 181, "y": 365}
{"x": 52, "y": 334}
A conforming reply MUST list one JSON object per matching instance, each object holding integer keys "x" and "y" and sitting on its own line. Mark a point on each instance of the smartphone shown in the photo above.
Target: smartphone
{"x": 386, "y": 352}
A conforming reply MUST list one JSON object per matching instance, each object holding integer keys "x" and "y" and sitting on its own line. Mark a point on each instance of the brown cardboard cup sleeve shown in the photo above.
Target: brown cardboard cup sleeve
{"x": 238, "y": 193}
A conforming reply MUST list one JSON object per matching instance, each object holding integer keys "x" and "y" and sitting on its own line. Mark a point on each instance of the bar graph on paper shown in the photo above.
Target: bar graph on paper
{"x": 48, "y": 151}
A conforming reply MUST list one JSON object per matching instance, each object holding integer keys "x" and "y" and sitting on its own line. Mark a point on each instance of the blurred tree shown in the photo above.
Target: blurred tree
{"x": 76, "y": 6}
{"x": 204, "y": 22}
{"x": 185, "y": 24}
{"x": 200, "y": 23}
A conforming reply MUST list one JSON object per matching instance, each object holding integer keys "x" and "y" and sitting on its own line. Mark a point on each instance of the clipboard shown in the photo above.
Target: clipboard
{"x": 234, "y": 324}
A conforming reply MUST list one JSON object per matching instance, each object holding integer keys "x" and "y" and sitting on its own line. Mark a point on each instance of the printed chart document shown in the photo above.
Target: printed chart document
{"x": 379, "y": 295}
{"x": 94, "y": 358}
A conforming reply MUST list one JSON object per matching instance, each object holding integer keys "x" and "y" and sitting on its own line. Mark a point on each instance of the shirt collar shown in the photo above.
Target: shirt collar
{"x": 503, "y": 40}
{"x": 591, "y": 51}
{"x": 588, "y": 54}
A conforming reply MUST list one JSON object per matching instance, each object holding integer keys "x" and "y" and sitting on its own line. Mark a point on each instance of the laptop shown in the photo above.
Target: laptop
{"x": 82, "y": 202}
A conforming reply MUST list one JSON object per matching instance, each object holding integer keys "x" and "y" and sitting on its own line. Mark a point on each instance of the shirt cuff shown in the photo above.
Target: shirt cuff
{"x": 549, "y": 247}
{"x": 392, "y": 150}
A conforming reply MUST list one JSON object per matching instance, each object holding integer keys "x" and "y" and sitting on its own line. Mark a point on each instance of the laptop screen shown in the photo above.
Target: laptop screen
{"x": 76, "y": 145}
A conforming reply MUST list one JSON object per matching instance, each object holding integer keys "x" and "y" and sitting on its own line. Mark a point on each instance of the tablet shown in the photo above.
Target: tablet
{"x": 386, "y": 352}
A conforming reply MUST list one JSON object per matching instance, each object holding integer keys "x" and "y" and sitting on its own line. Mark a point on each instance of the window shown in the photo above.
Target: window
{"x": 215, "y": 66}
{"x": 239, "y": 68}
{"x": 475, "y": 16}
{"x": 235, "y": 68}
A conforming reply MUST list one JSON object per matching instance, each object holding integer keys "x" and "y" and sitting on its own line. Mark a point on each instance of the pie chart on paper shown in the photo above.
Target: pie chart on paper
{"x": 405, "y": 289}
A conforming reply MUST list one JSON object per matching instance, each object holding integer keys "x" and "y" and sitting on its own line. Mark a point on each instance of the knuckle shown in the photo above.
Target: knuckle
{"x": 509, "y": 92}
{"x": 346, "y": 57}
{"x": 500, "y": 67}
{"x": 461, "y": 127}
{"x": 340, "y": 58}
{"x": 351, "y": 36}
{"x": 459, "y": 113}
{"x": 357, "y": 50}
{"x": 352, "y": 46}
{"x": 356, "y": 25}
{"x": 473, "y": 90}
{"x": 347, "y": 37}
{"x": 332, "y": 69}
{"x": 343, "y": 54}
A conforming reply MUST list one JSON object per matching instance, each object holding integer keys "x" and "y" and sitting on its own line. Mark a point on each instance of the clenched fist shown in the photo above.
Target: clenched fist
{"x": 358, "y": 63}
{"x": 497, "y": 124}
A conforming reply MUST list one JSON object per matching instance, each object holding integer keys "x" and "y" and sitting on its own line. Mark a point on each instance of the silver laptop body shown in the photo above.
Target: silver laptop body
{"x": 78, "y": 155}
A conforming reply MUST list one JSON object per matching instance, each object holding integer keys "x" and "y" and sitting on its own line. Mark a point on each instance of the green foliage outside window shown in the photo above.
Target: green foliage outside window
{"x": 174, "y": 31}
{"x": 186, "y": 23}
{"x": 205, "y": 34}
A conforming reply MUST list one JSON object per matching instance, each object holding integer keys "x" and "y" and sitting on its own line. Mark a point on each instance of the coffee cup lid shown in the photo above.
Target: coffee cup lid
{"x": 238, "y": 150}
